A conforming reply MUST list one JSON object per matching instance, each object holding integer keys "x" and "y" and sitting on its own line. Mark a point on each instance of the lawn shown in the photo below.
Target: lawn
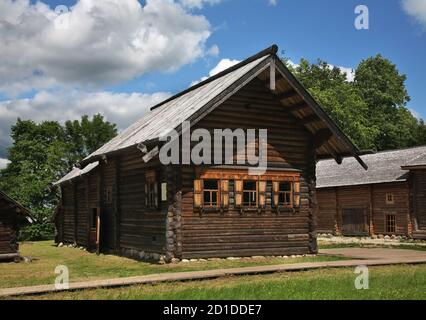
{"x": 389, "y": 282}
{"x": 87, "y": 266}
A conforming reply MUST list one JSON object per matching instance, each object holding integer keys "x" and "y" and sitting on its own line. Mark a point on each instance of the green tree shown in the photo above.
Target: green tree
{"x": 41, "y": 154}
{"x": 371, "y": 110}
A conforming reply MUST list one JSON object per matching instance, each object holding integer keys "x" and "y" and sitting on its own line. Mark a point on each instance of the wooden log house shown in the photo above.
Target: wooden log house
{"x": 12, "y": 217}
{"x": 388, "y": 199}
{"x": 119, "y": 203}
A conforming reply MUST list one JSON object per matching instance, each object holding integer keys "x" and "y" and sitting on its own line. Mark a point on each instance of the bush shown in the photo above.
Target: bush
{"x": 37, "y": 232}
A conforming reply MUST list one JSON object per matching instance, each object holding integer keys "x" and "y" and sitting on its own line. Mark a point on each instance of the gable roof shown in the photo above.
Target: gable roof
{"x": 383, "y": 167}
{"x": 24, "y": 212}
{"x": 419, "y": 162}
{"x": 76, "y": 172}
{"x": 199, "y": 100}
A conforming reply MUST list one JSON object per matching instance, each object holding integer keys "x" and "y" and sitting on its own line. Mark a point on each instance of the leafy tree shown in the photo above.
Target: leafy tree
{"x": 40, "y": 154}
{"x": 372, "y": 109}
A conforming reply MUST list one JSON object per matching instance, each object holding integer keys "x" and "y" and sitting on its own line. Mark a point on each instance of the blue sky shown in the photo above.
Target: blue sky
{"x": 302, "y": 28}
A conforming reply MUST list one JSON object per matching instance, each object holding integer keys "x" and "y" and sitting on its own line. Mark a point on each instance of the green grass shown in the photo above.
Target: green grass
{"x": 87, "y": 266}
{"x": 389, "y": 282}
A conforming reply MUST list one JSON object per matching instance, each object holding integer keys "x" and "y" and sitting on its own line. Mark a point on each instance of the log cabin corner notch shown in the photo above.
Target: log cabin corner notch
{"x": 149, "y": 210}
{"x": 12, "y": 217}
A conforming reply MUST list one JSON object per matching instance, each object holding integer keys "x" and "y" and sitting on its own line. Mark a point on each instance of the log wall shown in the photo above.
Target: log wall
{"x": 252, "y": 233}
{"x": 371, "y": 198}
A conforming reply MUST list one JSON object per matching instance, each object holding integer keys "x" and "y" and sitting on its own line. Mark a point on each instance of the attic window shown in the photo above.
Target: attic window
{"x": 390, "y": 199}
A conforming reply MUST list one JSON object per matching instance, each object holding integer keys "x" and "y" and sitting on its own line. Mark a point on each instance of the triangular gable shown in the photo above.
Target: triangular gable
{"x": 196, "y": 102}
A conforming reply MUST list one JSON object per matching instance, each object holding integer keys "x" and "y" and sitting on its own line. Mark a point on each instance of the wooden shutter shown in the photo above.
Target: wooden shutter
{"x": 238, "y": 193}
{"x": 296, "y": 194}
{"x": 198, "y": 193}
{"x": 224, "y": 193}
{"x": 275, "y": 192}
{"x": 262, "y": 193}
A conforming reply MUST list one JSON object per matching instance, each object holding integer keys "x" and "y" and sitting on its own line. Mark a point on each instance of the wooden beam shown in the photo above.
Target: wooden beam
{"x": 297, "y": 107}
{"x": 310, "y": 119}
{"x": 321, "y": 137}
{"x": 272, "y": 75}
{"x": 287, "y": 94}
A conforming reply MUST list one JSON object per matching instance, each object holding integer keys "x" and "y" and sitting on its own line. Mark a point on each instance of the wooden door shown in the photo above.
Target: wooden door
{"x": 354, "y": 222}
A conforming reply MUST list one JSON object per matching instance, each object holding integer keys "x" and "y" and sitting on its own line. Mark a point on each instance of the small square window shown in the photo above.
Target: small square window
{"x": 390, "y": 199}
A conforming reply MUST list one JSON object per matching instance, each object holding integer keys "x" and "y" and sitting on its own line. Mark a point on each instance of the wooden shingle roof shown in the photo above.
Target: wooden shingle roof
{"x": 14, "y": 205}
{"x": 196, "y": 102}
{"x": 383, "y": 167}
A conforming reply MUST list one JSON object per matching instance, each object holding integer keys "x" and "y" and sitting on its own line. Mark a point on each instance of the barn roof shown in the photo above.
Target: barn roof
{"x": 199, "y": 100}
{"x": 76, "y": 172}
{"x": 13, "y": 204}
{"x": 383, "y": 167}
{"x": 418, "y": 162}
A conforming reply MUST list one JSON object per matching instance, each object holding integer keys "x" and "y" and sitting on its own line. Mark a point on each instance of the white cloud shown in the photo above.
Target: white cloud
{"x": 272, "y": 2}
{"x": 415, "y": 9}
{"x": 106, "y": 42}
{"x": 120, "y": 108}
{"x": 3, "y": 163}
{"x": 213, "y": 51}
{"x": 350, "y": 73}
{"x": 198, "y": 4}
{"x": 222, "y": 65}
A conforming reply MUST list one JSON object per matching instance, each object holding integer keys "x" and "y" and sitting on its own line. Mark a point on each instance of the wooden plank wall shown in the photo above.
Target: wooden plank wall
{"x": 82, "y": 214}
{"x": 68, "y": 213}
{"x": 140, "y": 228}
{"x": 233, "y": 234}
{"x": 419, "y": 192}
{"x": 8, "y": 229}
{"x": 333, "y": 200}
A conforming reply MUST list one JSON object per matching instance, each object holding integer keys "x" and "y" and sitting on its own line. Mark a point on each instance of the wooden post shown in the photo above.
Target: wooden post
{"x": 117, "y": 205}
{"x": 74, "y": 191}
{"x": 371, "y": 211}
{"x": 272, "y": 83}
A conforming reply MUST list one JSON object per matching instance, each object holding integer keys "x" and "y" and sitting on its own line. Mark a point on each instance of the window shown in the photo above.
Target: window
{"x": 151, "y": 195}
{"x": 210, "y": 193}
{"x": 108, "y": 195}
{"x": 250, "y": 193}
{"x": 390, "y": 198}
{"x": 390, "y": 223}
{"x": 285, "y": 194}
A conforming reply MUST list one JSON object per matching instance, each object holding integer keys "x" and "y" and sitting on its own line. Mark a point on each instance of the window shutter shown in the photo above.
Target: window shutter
{"x": 296, "y": 194}
{"x": 238, "y": 193}
{"x": 262, "y": 193}
{"x": 156, "y": 194}
{"x": 198, "y": 193}
{"x": 224, "y": 192}
{"x": 275, "y": 192}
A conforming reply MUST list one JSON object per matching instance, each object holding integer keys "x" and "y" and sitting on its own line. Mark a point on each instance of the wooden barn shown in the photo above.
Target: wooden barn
{"x": 12, "y": 217}
{"x": 388, "y": 199}
{"x": 116, "y": 202}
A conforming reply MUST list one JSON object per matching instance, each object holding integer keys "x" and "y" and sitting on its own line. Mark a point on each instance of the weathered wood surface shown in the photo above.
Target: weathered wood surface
{"x": 371, "y": 199}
